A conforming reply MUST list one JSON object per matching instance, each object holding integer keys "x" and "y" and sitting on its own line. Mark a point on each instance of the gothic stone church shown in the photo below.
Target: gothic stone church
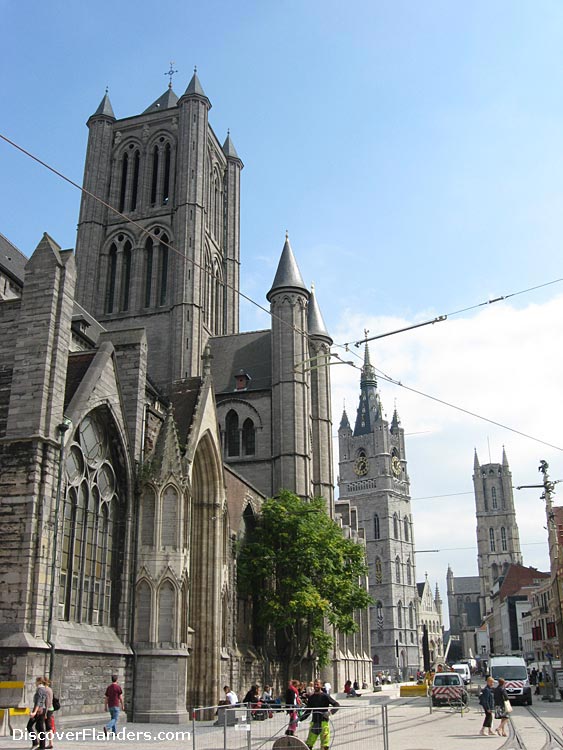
{"x": 140, "y": 430}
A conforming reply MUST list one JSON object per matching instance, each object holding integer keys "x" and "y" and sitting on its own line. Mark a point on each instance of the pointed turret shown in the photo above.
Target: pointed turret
{"x": 504, "y": 458}
{"x": 229, "y": 148}
{"x": 167, "y": 459}
{"x": 105, "y": 109}
{"x": 288, "y": 275}
{"x": 476, "y": 461}
{"x": 291, "y": 399}
{"x": 166, "y": 101}
{"x": 316, "y": 324}
{"x": 396, "y": 421}
{"x": 369, "y": 409}
{"x": 344, "y": 422}
{"x": 195, "y": 89}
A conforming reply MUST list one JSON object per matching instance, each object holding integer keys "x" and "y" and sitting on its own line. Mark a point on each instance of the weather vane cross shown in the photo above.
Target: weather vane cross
{"x": 170, "y": 73}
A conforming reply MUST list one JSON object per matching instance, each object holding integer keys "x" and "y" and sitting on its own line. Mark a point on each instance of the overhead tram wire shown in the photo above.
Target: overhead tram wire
{"x": 389, "y": 379}
{"x": 441, "y": 318}
{"x": 147, "y": 233}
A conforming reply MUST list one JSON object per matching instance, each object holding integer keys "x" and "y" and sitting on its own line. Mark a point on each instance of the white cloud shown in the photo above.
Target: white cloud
{"x": 504, "y": 363}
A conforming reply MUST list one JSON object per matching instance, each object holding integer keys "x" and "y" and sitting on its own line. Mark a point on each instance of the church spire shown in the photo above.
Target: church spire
{"x": 476, "y": 461}
{"x": 504, "y": 458}
{"x": 369, "y": 409}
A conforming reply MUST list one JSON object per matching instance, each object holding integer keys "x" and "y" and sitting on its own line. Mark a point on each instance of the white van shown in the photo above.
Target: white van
{"x": 464, "y": 671}
{"x": 513, "y": 670}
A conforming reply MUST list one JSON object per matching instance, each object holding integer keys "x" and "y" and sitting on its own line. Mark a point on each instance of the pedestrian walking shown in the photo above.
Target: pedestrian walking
{"x": 321, "y": 706}
{"x": 501, "y": 705}
{"x": 113, "y": 703}
{"x": 487, "y": 700}
{"x": 36, "y": 723}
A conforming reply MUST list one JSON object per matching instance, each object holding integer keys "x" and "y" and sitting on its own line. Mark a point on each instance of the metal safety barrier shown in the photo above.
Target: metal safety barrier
{"x": 359, "y": 725}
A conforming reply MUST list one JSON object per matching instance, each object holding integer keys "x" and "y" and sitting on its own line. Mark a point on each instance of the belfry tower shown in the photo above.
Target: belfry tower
{"x": 374, "y": 481}
{"x": 160, "y": 250}
{"x": 498, "y": 541}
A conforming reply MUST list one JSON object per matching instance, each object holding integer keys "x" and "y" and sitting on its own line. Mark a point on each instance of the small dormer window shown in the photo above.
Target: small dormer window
{"x": 242, "y": 380}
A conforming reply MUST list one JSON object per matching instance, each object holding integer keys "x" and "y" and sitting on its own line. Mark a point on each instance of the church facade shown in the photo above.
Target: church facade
{"x": 374, "y": 488}
{"x": 140, "y": 430}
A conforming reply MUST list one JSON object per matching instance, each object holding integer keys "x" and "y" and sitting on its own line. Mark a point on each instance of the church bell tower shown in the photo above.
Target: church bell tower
{"x": 374, "y": 481}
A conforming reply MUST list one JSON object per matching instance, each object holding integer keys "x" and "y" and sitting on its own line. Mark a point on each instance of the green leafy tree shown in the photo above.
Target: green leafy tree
{"x": 301, "y": 572}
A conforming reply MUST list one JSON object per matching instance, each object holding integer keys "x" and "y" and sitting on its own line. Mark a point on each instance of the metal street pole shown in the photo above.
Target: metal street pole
{"x": 548, "y": 488}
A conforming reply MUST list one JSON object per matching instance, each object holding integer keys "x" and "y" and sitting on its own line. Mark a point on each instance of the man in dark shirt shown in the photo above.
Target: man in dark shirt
{"x": 113, "y": 703}
{"x": 319, "y": 705}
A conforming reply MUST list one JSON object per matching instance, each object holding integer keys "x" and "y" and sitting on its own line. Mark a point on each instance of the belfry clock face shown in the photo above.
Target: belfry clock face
{"x": 396, "y": 466}
{"x": 361, "y": 466}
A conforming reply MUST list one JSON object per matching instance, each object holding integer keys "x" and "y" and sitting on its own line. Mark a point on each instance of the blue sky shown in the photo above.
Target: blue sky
{"x": 414, "y": 151}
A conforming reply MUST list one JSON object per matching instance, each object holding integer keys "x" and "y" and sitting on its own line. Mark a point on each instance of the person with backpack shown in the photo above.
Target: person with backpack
{"x": 487, "y": 700}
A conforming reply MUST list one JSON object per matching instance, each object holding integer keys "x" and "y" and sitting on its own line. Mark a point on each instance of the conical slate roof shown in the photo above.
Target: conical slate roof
{"x": 195, "y": 87}
{"x": 166, "y": 101}
{"x": 105, "y": 108}
{"x": 229, "y": 148}
{"x": 315, "y": 322}
{"x": 288, "y": 274}
{"x": 345, "y": 422}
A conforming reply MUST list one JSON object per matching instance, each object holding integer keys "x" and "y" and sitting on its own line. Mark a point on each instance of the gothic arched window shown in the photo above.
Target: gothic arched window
{"x": 503, "y": 544}
{"x": 494, "y": 498}
{"x": 376, "y": 529}
{"x": 148, "y": 509}
{"x": 494, "y": 571}
{"x": 90, "y": 525}
{"x": 492, "y": 540}
{"x": 406, "y": 528}
{"x": 143, "y": 618}
{"x": 409, "y": 572}
{"x": 379, "y": 615}
{"x": 248, "y": 437}
{"x": 154, "y": 179}
{"x": 378, "y": 570}
{"x": 149, "y": 254}
{"x": 411, "y": 616}
{"x": 123, "y": 186}
{"x": 135, "y": 186}
{"x": 395, "y": 526}
{"x": 400, "y": 615}
{"x": 169, "y": 518}
{"x": 166, "y": 176}
{"x": 232, "y": 433}
{"x": 112, "y": 275}
{"x": 166, "y": 613}
{"x": 163, "y": 269}
{"x": 125, "y": 276}
{"x": 398, "y": 569}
